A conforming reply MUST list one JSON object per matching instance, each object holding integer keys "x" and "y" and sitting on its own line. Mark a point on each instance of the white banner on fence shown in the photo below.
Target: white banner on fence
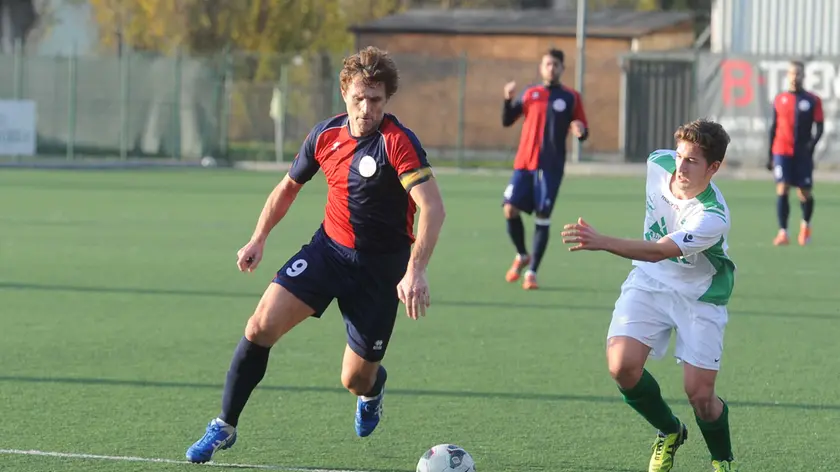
{"x": 738, "y": 91}
{"x": 17, "y": 128}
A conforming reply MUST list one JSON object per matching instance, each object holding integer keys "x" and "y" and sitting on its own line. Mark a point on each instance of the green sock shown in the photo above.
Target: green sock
{"x": 716, "y": 434}
{"x": 646, "y": 399}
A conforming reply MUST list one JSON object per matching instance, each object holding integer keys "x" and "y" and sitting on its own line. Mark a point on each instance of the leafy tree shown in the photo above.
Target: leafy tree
{"x": 262, "y": 26}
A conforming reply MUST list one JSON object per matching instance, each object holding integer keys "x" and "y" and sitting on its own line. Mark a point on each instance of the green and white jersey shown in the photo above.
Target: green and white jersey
{"x": 700, "y": 228}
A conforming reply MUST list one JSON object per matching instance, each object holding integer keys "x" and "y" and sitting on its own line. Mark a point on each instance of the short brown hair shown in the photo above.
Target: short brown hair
{"x": 557, "y": 54}
{"x": 708, "y": 135}
{"x": 375, "y": 66}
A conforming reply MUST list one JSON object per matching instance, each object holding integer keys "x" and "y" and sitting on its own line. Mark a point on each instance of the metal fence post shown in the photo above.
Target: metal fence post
{"x": 18, "y": 69}
{"x": 623, "y": 64}
{"x": 580, "y": 65}
{"x": 71, "y": 104}
{"x": 339, "y": 100}
{"x": 284, "y": 107}
{"x": 695, "y": 84}
{"x": 224, "y": 112}
{"x": 176, "y": 109}
{"x": 18, "y": 74}
{"x": 462, "y": 105}
{"x": 124, "y": 88}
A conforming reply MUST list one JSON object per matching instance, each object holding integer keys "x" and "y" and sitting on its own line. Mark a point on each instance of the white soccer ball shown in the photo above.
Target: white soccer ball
{"x": 446, "y": 458}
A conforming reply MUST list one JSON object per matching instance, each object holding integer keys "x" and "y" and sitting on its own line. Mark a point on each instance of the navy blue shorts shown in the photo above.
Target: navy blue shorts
{"x": 365, "y": 286}
{"x": 533, "y": 191}
{"x": 794, "y": 171}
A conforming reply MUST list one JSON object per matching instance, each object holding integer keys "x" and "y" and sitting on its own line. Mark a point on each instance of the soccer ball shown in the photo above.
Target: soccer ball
{"x": 446, "y": 458}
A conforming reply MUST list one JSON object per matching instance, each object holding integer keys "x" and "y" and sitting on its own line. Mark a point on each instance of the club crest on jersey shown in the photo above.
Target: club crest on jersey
{"x": 367, "y": 166}
{"x": 657, "y": 230}
{"x": 559, "y": 105}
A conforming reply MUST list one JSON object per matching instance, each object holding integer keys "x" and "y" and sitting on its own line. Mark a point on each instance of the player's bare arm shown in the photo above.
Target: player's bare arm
{"x": 276, "y": 206}
{"x": 587, "y": 238}
{"x": 413, "y": 289}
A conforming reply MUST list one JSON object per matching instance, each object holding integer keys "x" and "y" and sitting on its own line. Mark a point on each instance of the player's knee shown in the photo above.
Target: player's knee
{"x": 357, "y": 382}
{"x": 259, "y": 331}
{"x": 702, "y": 398}
{"x": 803, "y": 194}
{"x": 625, "y": 374}
{"x": 276, "y": 314}
{"x": 623, "y": 369}
{"x": 626, "y": 360}
{"x": 510, "y": 211}
{"x": 263, "y": 327}
{"x": 782, "y": 189}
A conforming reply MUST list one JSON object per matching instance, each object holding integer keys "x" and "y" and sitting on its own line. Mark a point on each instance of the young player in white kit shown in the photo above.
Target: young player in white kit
{"x": 682, "y": 280}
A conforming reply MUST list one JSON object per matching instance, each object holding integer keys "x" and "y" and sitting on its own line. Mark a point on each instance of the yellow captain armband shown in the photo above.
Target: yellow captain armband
{"x": 416, "y": 177}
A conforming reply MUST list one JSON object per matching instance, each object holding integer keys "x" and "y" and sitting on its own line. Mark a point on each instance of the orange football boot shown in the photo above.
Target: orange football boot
{"x": 530, "y": 282}
{"x": 804, "y": 234}
{"x": 781, "y": 238}
{"x": 520, "y": 262}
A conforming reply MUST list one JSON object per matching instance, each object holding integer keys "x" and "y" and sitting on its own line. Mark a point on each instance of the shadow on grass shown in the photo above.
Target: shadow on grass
{"x": 521, "y": 396}
{"x": 537, "y": 306}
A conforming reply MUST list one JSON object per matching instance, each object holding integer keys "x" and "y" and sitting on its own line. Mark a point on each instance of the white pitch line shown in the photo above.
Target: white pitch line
{"x": 67, "y": 455}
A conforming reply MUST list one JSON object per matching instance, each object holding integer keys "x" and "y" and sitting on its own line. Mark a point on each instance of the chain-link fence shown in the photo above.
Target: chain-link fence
{"x": 229, "y": 105}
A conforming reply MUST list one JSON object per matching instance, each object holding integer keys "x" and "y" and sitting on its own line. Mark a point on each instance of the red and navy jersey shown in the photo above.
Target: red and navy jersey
{"x": 368, "y": 206}
{"x": 794, "y": 116}
{"x": 548, "y": 111}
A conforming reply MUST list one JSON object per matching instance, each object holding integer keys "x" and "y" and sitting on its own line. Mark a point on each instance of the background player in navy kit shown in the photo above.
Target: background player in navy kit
{"x": 550, "y": 110}
{"x": 377, "y": 173}
{"x": 793, "y": 139}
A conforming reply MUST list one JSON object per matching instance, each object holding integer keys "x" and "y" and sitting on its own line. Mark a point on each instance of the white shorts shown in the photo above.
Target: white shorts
{"x": 648, "y": 310}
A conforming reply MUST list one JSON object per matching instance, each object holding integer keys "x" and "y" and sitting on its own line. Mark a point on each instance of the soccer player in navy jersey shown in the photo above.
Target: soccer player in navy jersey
{"x": 365, "y": 254}
{"x": 550, "y": 109}
{"x": 796, "y": 127}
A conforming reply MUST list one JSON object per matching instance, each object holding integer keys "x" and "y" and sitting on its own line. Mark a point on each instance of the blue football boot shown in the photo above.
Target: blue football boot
{"x": 219, "y": 435}
{"x": 368, "y": 414}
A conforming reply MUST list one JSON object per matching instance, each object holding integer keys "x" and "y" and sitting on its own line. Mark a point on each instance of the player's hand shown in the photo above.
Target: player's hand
{"x": 769, "y": 164}
{"x": 413, "y": 291}
{"x": 249, "y": 257}
{"x": 584, "y": 235}
{"x": 578, "y": 128}
{"x": 510, "y": 88}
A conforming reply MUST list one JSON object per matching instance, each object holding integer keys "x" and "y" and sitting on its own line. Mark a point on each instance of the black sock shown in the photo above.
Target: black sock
{"x": 517, "y": 234}
{"x": 782, "y": 210}
{"x": 540, "y": 244}
{"x": 807, "y": 209}
{"x": 381, "y": 377}
{"x": 246, "y": 371}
